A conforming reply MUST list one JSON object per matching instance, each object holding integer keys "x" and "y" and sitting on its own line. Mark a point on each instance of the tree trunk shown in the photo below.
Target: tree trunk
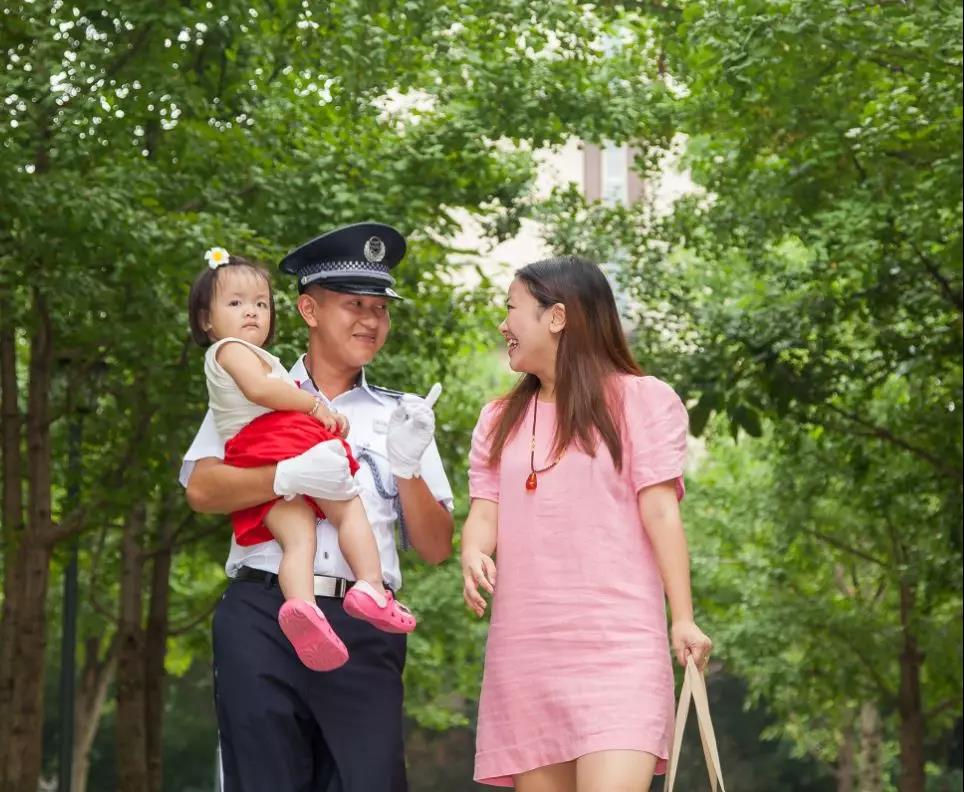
{"x": 846, "y": 767}
{"x": 912, "y": 775}
{"x": 11, "y": 529}
{"x": 95, "y": 677}
{"x": 132, "y": 775}
{"x": 24, "y": 630}
{"x": 155, "y": 652}
{"x": 871, "y": 749}
{"x": 22, "y": 760}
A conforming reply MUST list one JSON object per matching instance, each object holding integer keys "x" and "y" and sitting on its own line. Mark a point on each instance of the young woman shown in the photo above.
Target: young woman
{"x": 575, "y": 478}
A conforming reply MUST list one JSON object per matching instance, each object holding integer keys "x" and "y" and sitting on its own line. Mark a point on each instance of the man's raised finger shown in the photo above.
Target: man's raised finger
{"x": 433, "y": 393}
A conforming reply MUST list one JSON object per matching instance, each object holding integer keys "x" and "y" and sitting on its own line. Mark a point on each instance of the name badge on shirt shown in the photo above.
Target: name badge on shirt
{"x": 380, "y": 426}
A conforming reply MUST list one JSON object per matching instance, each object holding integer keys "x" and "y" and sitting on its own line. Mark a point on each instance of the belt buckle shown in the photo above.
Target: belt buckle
{"x": 328, "y": 586}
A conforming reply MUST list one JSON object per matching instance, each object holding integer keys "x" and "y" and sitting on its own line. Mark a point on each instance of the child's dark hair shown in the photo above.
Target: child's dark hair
{"x": 202, "y": 293}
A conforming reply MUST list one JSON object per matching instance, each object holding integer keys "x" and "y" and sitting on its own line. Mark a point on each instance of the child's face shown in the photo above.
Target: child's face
{"x": 240, "y": 307}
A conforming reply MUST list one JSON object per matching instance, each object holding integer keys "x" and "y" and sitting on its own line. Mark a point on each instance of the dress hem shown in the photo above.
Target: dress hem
{"x": 494, "y": 768}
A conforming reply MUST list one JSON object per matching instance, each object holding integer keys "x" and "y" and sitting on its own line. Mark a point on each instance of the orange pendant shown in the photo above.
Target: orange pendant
{"x": 532, "y": 482}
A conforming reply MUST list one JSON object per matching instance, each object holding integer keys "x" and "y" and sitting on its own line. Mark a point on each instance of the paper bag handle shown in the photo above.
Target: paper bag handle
{"x": 694, "y": 687}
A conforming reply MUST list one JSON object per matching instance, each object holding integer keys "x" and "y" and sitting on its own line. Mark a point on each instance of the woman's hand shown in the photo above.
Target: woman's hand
{"x": 688, "y": 639}
{"x": 478, "y": 569}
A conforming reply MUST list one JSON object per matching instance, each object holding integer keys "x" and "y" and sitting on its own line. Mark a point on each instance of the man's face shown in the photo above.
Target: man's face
{"x": 349, "y": 329}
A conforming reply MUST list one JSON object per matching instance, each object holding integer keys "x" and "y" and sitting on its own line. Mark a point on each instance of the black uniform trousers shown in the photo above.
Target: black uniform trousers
{"x": 285, "y": 728}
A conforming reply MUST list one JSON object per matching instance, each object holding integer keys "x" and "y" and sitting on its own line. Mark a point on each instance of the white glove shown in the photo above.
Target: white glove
{"x": 410, "y": 430}
{"x": 320, "y": 472}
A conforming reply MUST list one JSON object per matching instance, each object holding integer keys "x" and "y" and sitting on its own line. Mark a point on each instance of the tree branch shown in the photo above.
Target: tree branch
{"x": 947, "y": 290}
{"x": 947, "y": 704}
{"x": 74, "y": 522}
{"x": 880, "y": 433}
{"x": 196, "y": 620}
{"x": 845, "y": 547}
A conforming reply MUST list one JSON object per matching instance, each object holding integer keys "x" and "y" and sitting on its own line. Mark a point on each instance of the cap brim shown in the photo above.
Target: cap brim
{"x": 366, "y": 289}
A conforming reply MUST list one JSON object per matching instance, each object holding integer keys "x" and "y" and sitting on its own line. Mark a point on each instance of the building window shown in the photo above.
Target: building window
{"x": 615, "y": 174}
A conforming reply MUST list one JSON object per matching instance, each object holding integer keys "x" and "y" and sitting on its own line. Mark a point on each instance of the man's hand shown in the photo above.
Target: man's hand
{"x": 410, "y": 430}
{"x": 320, "y": 472}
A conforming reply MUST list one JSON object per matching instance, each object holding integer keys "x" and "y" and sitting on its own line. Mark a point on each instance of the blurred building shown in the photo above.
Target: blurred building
{"x": 603, "y": 173}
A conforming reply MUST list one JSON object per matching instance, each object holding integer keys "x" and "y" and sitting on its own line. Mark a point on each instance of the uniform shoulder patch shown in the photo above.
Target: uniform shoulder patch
{"x": 395, "y": 394}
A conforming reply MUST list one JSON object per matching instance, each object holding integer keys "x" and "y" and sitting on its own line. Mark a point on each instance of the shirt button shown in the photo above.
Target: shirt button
{"x": 325, "y": 555}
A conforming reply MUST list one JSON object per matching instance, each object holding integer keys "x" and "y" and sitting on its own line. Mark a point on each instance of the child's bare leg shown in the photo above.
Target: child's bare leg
{"x": 292, "y": 523}
{"x": 368, "y": 599}
{"x": 356, "y": 539}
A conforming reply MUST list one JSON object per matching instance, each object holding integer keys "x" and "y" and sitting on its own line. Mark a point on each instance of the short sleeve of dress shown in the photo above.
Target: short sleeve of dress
{"x": 656, "y": 422}
{"x": 483, "y": 478}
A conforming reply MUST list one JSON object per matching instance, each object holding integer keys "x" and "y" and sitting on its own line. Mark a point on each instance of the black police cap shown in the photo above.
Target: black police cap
{"x": 355, "y": 259}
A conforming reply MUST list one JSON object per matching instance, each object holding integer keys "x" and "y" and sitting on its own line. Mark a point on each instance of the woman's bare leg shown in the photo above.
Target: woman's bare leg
{"x": 615, "y": 771}
{"x": 292, "y": 524}
{"x": 551, "y": 778}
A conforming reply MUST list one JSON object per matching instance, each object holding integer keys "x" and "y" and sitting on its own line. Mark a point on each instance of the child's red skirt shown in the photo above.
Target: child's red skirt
{"x": 271, "y": 438}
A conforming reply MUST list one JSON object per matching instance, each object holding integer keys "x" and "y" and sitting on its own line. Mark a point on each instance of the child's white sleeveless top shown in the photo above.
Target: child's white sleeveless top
{"x": 231, "y": 410}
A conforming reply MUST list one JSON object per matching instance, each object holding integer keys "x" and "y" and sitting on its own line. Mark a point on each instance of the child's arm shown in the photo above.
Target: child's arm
{"x": 247, "y": 370}
{"x": 478, "y": 544}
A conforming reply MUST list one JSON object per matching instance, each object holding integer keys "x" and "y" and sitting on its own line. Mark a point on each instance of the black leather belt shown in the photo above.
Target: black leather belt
{"x": 325, "y": 585}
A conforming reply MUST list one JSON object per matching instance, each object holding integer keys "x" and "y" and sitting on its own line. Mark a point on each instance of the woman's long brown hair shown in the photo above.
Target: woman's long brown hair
{"x": 591, "y": 349}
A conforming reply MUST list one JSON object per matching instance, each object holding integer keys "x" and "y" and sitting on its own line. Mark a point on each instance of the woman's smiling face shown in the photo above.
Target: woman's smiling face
{"x": 526, "y": 329}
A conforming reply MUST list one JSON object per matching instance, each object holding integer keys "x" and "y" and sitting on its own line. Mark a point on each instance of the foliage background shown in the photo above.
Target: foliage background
{"x": 805, "y": 300}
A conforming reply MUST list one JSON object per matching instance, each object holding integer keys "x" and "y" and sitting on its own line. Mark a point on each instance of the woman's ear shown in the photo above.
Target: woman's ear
{"x": 307, "y": 307}
{"x": 557, "y": 318}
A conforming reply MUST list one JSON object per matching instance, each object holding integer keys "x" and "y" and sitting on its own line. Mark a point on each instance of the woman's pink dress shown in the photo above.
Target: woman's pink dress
{"x": 578, "y": 657}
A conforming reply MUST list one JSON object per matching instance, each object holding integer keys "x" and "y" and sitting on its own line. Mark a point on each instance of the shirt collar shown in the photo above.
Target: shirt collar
{"x": 299, "y": 373}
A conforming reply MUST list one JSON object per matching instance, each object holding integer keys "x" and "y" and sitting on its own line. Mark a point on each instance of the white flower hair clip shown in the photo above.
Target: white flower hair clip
{"x": 216, "y": 257}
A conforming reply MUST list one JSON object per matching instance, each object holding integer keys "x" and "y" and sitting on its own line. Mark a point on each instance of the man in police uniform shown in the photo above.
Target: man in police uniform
{"x": 283, "y": 727}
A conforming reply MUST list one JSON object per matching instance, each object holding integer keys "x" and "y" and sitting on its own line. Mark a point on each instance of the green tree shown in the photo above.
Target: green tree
{"x": 133, "y": 138}
{"x": 816, "y": 585}
{"x": 813, "y": 279}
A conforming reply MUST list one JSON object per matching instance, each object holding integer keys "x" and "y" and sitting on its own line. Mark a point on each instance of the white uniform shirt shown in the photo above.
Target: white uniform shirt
{"x": 231, "y": 409}
{"x": 368, "y": 411}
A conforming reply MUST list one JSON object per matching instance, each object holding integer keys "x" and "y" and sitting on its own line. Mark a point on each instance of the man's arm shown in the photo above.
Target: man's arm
{"x": 216, "y": 488}
{"x": 411, "y": 428}
{"x": 320, "y": 472}
{"x": 428, "y": 522}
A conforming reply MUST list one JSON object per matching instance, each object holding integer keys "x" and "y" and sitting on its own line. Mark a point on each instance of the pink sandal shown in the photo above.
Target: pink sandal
{"x": 315, "y": 643}
{"x": 393, "y": 618}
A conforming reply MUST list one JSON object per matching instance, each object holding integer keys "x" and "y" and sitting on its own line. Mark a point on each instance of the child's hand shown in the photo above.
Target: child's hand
{"x": 478, "y": 569}
{"x": 329, "y": 419}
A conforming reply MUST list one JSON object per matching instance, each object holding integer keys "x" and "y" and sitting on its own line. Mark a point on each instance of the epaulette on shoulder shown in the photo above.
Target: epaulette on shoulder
{"x": 395, "y": 394}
